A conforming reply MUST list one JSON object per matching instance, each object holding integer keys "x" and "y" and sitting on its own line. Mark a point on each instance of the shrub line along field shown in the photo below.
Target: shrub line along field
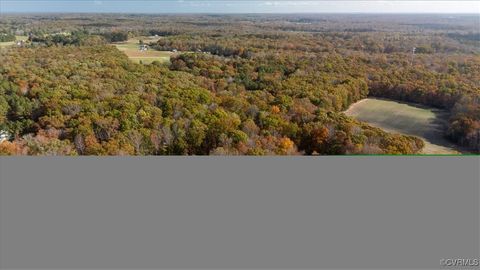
{"x": 131, "y": 48}
{"x": 409, "y": 119}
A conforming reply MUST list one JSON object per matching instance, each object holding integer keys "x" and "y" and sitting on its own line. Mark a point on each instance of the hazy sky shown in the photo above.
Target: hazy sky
{"x": 239, "y": 6}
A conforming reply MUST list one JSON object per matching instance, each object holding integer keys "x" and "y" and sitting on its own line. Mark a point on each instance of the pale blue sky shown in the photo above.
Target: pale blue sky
{"x": 239, "y": 6}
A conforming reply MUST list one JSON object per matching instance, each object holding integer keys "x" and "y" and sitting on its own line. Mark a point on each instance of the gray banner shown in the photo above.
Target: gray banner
{"x": 238, "y": 212}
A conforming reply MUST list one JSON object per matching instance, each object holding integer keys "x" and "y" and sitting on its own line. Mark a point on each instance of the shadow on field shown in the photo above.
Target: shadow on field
{"x": 438, "y": 125}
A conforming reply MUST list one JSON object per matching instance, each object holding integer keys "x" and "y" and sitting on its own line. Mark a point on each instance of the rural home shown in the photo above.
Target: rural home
{"x": 4, "y": 136}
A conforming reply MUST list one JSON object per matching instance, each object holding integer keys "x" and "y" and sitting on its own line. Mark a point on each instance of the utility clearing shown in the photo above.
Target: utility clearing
{"x": 409, "y": 119}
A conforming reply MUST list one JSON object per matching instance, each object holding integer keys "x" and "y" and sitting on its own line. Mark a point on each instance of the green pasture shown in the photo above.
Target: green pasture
{"x": 425, "y": 123}
{"x": 131, "y": 49}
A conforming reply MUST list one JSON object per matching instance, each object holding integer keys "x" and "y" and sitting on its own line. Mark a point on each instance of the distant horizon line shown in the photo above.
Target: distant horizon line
{"x": 241, "y": 13}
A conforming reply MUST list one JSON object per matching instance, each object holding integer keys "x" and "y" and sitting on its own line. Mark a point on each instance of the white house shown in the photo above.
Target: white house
{"x": 4, "y": 135}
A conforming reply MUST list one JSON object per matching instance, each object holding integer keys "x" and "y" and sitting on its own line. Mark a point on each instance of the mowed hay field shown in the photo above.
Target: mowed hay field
{"x": 131, "y": 49}
{"x": 425, "y": 123}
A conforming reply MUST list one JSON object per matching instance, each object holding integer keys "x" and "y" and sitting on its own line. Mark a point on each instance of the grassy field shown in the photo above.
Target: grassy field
{"x": 392, "y": 116}
{"x": 130, "y": 48}
{"x": 10, "y": 43}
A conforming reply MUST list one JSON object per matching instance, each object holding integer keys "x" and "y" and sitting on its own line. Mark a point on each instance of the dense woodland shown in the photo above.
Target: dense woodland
{"x": 242, "y": 84}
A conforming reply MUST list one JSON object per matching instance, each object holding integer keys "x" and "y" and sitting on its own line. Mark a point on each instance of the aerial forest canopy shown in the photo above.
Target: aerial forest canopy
{"x": 239, "y": 84}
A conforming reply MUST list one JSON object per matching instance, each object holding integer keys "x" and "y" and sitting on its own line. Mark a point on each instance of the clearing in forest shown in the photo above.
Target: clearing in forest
{"x": 131, "y": 48}
{"x": 392, "y": 116}
{"x": 10, "y": 43}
